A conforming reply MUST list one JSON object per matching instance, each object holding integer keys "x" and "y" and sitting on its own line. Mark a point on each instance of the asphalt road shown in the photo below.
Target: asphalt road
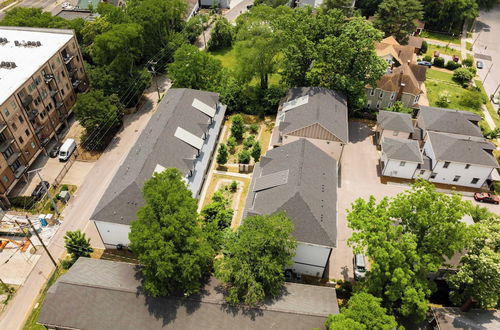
{"x": 487, "y": 30}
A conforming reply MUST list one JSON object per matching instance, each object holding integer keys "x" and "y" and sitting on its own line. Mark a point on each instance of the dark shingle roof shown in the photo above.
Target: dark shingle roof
{"x": 395, "y": 121}
{"x": 309, "y": 196}
{"x": 157, "y": 145}
{"x": 448, "y": 121}
{"x": 325, "y": 107}
{"x": 466, "y": 150}
{"x": 100, "y": 294}
{"x": 402, "y": 149}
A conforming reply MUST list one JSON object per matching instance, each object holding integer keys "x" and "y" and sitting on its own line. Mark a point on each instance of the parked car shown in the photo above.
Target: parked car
{"x": 67, "y": 149}
{"x": 456, "y": 58}
{"x": 359, "y": 266}
{"x": 427, "y": 64}
{"x": 55, "y": 150}
{"x": 436, "y": 53}
{"x": 479, "y": 64}
{"x": 487, "y": 198}
{"x": 40, "y": 190}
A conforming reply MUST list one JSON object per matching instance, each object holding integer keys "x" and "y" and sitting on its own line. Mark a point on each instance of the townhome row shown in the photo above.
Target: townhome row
{"x": 442, "y": 145}
{"x": 40, "y": 72}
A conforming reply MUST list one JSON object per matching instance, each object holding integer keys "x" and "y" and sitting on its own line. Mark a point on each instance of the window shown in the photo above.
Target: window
{"x": 417, "y": 98}
{"x": 13, "y": 105}
{"x": 446, "y": 164}
{"x": 8, "y": 152}
{"x": 62, "y": 73}
{"x": 14, "y": 126}
{"x": 62, "y": 91}
{"x": 402, "y": 163}
{"x": 77, "y": 58}
{"x": 21, "y": 119}
{"x": 27, "y": 131}
{"x": 378, "y": 104}
{"x": 393, "y": 95}
{"x": 395, "y": 133}
{"x": 6, "y": 112}
{"x": 475, "y": 180}
{"x": 381, "y": 94}
{"x": 33, "y": 145}
{"x": 15, "y": 166}
{"x": 67, "y": 86}
{"x": 5, "y": 179}
{"x": 433, "y": 175}
{"x": 456, "y": 178}
{"x": 21, "y": 140}
{"x": 58, "y": 60}
{"x": 467, "y": 166}
{"x": 369, "y": 104}
{"x": 422, "y": 172}
{"x": 372, "y": 92}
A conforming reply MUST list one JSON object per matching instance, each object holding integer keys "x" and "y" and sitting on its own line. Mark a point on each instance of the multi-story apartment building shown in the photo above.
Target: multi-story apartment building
{"x": 40, "y": 72}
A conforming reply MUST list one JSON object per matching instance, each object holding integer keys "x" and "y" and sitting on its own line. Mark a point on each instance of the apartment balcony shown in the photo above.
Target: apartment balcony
{"x": 38, "y": 128}
{"x": 67, "y": 58}
{"x": 32, "y": 114}
{"x": 2, "y": 128}
{"x": 59, "y": 105}
{"x": 26, "y": 100}
{"x": 20, "y": 171}
{"x": 13, "y": 158}
{"x": 6, "y": 144}
{"x": 53, "y": 92}
{"x": 48, "y": 78}
{"x": 76, "y": 83}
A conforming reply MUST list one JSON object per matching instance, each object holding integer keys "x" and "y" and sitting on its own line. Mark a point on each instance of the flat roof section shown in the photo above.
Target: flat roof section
{"x": 28, "y": 59}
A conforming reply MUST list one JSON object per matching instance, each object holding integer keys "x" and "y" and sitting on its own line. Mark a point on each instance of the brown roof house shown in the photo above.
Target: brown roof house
{"x": 403, "y": 79}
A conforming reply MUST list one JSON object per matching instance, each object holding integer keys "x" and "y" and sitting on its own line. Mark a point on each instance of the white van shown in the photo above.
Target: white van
{"x": 359, "y": 266}
{"x": 67, "y": 149}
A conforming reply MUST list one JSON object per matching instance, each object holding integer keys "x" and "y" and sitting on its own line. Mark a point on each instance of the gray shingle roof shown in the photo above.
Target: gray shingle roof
{"x": 325, "y": 107}
{"x": 157, "y": 145}
{"x": 395, "y": 121}
{"x": 309, "y": 197}
{"x": 402, "y": 149}
{"x": 453, "y": 148}
{"x": 448, "y": 121}
{"x": 100, "y": 294}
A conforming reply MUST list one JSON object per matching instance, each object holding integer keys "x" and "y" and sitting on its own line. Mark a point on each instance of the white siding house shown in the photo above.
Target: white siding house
{"x": 113, "y": 234}
{"x": 393, "y": 125}
{"x": 310, "y": 259}
{"x": 400, "y": 158}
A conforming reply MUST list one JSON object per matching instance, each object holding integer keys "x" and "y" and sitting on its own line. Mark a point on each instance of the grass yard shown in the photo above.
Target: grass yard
{"x": 441, "y": 37}
{"x": 442, "y": 50}
{"x": 489, "y": 106}
{"x": 468, "y": 46}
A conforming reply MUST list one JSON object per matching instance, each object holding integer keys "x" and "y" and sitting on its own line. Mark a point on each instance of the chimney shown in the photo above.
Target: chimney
{"x": 401, "y": 86}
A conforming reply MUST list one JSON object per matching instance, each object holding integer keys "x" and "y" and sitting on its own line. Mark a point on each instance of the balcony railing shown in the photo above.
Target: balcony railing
{"x": 76, "y": 83}
{"x": 13, "y": 158}
{"x": 6, "y": 144}
{"x": 20, "y": 171}
{"x": 48, "y": 78}
{"x": 26, "y": 100}
{"x": 59, "y": 105}
{"x": 67, "y": 58}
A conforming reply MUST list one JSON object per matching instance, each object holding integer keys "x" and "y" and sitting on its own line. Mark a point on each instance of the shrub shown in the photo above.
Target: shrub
{"x": 222, "y": 35}
{"x": 249, "y": 142}
{"x": 439, "y": 62}
{"x": 428, "y": 58}
{"x": 23, "y": 202}
{"x": 424, "y": 47}
{"x": 64, "y": 187}
{"x": 452, "y": 65}
{"x": 462, "y": 76}
{"x": 244, "y": 157}
{"x": 254, "y": 128}
{"x": 231, "y": 143}
{"x": 443, "y": 100}
{"x": 256, "y": 151}
{"x": 471, "y": 99}
{"x": 233, "y": 186}
{"x": 222, "y": 155}
{"x": 469, "y": 61}
{"x": 472, "y": 70}
{"x": 237, "y": 127}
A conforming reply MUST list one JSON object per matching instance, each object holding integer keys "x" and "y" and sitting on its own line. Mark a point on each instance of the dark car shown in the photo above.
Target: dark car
{"x": 55, "y": 150}
{"x": 427, "y": 64}
{"x": 487, "y": 198}
{"x": 40, "y": 190}
{"x": 479, "y": 64}
{"x": 456, "y": 58}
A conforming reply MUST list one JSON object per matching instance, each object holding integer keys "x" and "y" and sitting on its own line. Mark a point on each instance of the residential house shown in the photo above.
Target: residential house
{"x": 452, "y": 318}
{"x": 217, "y": 3}
{"x": 301, "y": 180}
{"x": 393, "y": 124}
{"x": 182, "y": 133}
{"x": 400, "y": 158}
{"x": 416, "y": 43}
{"x": 102, "y": 294}
{"x": 403, "y": 79}
{"x": 41, "y": 70}
{"x": 317, "y": 114}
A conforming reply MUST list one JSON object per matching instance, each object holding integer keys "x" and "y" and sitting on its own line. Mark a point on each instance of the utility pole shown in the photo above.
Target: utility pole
{"x": 153, "y": 71}
{"x": 43, "y": 244}
{"x": 487, "y": 73}
{"x": 26, "y": 235}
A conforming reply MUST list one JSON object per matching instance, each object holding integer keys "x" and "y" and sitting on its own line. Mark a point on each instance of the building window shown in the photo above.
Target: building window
{"x": 369, "y": 103}
{"x": 381, "y": 94}
{"x": 8, "y": 152}
{"x": 422, "y": 172}
{"x": 21, "y": 140}
{"x": 417, "y": 98}
{"x": 33, "y": 145}
{"x": 6, "y": 112}
{"x": 372, "y": 92}
{"x": 395, "y": 133}
{"x": 15, "y": 166}
{"x": 13, "y": 105}
{"x": 5, "y": 179}
{"x": 62, "y": 91}
{"x": 402, "y": 163}
{"x": 27, "y": 131}
{"x": 393, "y": 95}
{"x": 467, "y": 166}
{"x": 14, "y": 126}
{"x": 475, "y": 180}
{"x": 446, "y": 164}
{"x": 77, "y": 58}
{"x": 433, "y": 175}
{"x": 456, "y": 178}
{"x": 378, "y": 104}
{"x": 67, "y": 86}
{"x": 21, "y": 119}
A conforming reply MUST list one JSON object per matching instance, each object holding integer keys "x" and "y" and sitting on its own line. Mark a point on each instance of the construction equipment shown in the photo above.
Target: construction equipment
{"x": 23, "y": 245}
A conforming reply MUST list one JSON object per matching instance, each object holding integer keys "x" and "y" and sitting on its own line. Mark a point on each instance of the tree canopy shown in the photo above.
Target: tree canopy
{"x": 221, "y": 35}
{"x": 77, "y": 245}
{"x": 254, "y": 258}
{"x": 167, "y": 237}
{"x": 398, "y": 18}
{"x": 406, "y": 238}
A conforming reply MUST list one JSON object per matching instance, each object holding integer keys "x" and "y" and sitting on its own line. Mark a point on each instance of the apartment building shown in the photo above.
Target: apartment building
{"x": 41, "y": 70}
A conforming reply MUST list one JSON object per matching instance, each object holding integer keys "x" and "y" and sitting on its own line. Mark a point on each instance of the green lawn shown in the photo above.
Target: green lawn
{"x": 442, "y": 50}
{"x": 227, "y": 56}
{"x": 439, "y": 75}
{"x": 468, "y": 45}
{"x": 441, "y": 37}
{"x": 491, "y": 110}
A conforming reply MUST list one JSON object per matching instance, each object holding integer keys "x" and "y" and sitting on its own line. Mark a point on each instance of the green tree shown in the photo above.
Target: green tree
{"x": 237, "y": 127}
{"x": 255, "y": 256}
{"x": 94, "y": 28}
{"x": 271, "y": 3}
{"x": 348, "y": 62}
{"x": 195, "y": 69}
{"x": 407, "y": 238}
{"x": 194, "y": 27}
{"x": 217, "y": 217}
{"x": 244, "y": 157}
{"x": 478, "y": 213}
{"x": 167, "y": 237}
{"x": 256, "y": 151}
{"x": 222, "y": 154}
{"x": 363, "y": 312}
{"x": 231, "y": 144}
{"x": 221, "y": 35}
{"x": 478, "y": 277}
{"x": 398, "y": 17}
{"x": 462, "y": 76}
{"x": 398, "y": 106}
{"x": 77, "y": 245}
{"x": 343, "y": 5}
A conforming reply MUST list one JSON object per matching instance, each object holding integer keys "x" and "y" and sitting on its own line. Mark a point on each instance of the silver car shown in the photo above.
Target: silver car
{"x": 359, "y": 266}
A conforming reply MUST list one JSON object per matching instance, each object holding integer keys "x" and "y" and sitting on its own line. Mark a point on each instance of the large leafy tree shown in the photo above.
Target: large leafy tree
{"x": 217, "y": 217}
{"x": 347, "y": 62}
{"x": 398, "y": 17}
{"x": 221, "y": 35}
{"x": 167, "y": 237}
{"x": 196, "y": 69}
{"x": 449, "y": 15}
{"x": 343, "y": 5}
{"x": 254, "y": 258}
{"x": 77, "y": 245}
{"x": 478, "y": 277}
{"x": 363, "y": 312}
{"x": 407, "y": 238}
